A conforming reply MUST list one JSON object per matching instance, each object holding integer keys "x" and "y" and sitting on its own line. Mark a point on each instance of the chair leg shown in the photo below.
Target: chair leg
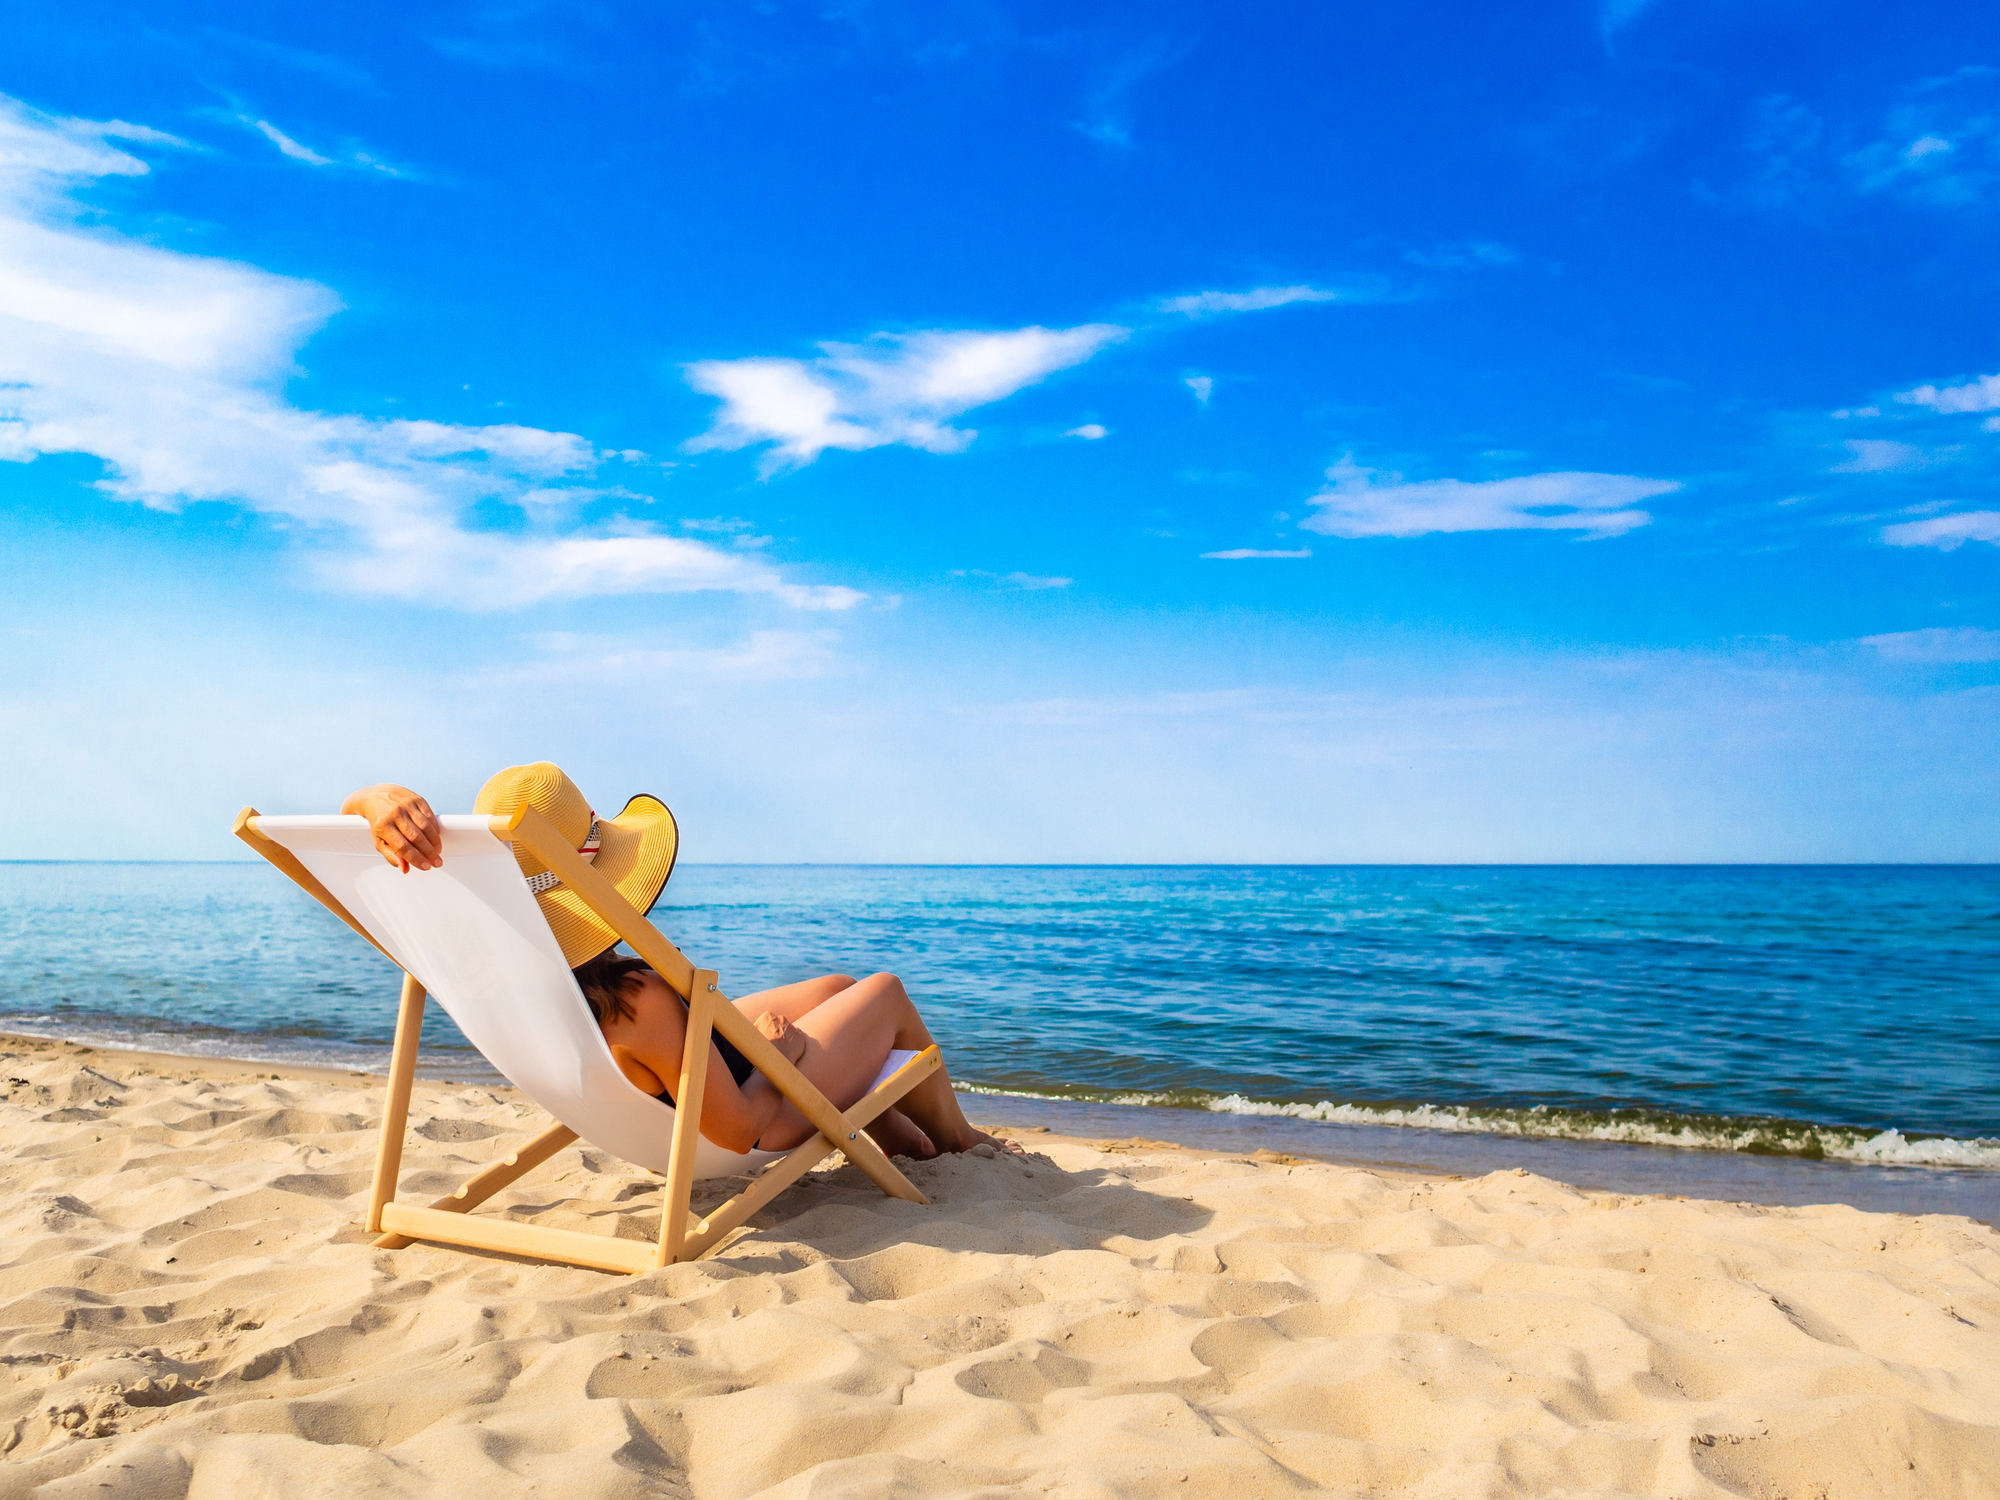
{"x": 702, "y": 1003}
{"x": 396, "y": 1113}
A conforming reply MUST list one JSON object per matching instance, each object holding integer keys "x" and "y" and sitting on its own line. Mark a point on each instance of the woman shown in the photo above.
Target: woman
{"x": 835, "y": 1030}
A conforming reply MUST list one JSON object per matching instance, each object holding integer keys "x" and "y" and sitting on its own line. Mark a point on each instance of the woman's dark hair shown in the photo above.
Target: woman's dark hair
{"x": 604, "y": 981}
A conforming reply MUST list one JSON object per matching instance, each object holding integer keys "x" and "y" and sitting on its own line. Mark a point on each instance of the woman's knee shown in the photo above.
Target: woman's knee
{"x": 886, "y": 993}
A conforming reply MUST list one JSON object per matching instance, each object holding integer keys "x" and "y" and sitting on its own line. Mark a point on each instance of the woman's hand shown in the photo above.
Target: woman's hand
{"x": 782, "y": 1034}
{"x": 407, "y": 832}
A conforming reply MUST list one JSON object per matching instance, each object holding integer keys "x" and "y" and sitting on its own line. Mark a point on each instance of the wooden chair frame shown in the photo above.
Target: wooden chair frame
{"x": 682, "y": 1237}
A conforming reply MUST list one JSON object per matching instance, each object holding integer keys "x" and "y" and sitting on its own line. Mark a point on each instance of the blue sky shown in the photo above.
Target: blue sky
{"x": 999, "y": 432}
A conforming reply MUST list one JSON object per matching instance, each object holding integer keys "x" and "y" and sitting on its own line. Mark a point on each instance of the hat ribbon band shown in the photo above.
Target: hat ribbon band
{"x": 548, "y": 880}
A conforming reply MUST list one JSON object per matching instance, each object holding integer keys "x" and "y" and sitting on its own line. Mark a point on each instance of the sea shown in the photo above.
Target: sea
{"x": 1763, "y": 1034}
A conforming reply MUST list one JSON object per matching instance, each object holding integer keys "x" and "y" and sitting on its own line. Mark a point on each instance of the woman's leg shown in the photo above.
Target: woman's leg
{"x": 897, "y": 1134}
{"x": 793, "y": 1000}
{"x": 848, "y": 1036}
{"x": 891, "y": 1130}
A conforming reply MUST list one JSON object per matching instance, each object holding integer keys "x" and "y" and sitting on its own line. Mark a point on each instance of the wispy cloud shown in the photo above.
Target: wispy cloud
{"x": 333, "y": 69}
{"x": 1785, "y": 143}
{"x": 762, "y": 656}
{"x": 167, "y": 367}
{"x": 1242, "y": 554}
{"x": 1911, "y": 432}
{"x": 1363, "y": 502}
{"x": 1940, "y": 147}
{"x": 896, "y": 388}
{"x": 1090, "y": 432}
{"x": 1946, "y": 533}
{"x": 1950, "y": 643}
{"x": 1031, "y": 582}
{"x": 1109, "y": 110}
{"x": 351, "y": 157}
{"x": 286, "y": 144}
{"x": 1203, "y": 387}
{"x": 41, "y": 155}
{"x": 1468, "y": 255}
{"x": 1579, "y": 142}
{"x": 1257, "y": 299}
{"x": 1879, "y": 456}
{"x": 741, "y": 533}
{"x": 1613, "y": 16}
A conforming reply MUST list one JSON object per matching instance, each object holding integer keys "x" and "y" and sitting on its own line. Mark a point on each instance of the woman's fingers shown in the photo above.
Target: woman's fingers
{"x": 432, "y": 831}
{"x": 406, "y": 832}
{"x": 419, "y": 836}
{"x": 395, "y": 847}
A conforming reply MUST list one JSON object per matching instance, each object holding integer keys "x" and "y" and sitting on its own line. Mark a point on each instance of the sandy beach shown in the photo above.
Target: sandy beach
{"x": 191, "y": 1308}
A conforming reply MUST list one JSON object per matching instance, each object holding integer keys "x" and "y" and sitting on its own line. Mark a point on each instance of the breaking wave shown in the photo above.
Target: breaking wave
{"x": 1756, "y": 1136}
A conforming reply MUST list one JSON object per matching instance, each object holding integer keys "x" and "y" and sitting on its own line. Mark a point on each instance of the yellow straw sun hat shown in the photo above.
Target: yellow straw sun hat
{"x": 634, "y": 851}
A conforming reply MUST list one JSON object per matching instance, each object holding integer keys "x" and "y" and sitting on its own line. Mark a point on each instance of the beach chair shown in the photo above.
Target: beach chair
{"x": 470, "y": 934}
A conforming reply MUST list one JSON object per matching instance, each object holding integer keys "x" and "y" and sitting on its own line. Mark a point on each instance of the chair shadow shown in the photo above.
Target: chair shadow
{"x": 995, "y": 1204}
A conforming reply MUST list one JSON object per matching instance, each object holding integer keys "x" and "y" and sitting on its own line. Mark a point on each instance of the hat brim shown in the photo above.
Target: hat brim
{"x": 636, "y": 854}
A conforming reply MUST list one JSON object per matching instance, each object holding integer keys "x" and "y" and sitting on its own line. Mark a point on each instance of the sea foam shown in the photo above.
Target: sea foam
{"x": 1757, "y": 1137}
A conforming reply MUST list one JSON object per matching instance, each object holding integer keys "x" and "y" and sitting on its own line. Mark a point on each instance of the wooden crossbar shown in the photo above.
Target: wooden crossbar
{"x": 602, "y": 1251}
{"x": 449, "y": 1220}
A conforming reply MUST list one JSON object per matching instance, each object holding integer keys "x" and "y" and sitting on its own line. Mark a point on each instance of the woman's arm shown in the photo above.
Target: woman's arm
{"x": 649, "y": 1046}
{"x": 406, "y": 830}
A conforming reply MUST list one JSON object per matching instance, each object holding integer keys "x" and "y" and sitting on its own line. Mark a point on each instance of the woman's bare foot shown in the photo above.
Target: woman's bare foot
{"x": 981, "y": 1138}
{"x": 974, "y": 1138}
{"x": 898, "y": 1135}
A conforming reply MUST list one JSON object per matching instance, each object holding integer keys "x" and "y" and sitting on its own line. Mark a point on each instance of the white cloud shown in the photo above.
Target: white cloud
{"x": 1951, "y": 643}
{"x": 169, "y": 369}
{"x": 1203, "y": 387}
{"x": 1946, "y": 533}
{"x": 1239, "y": 554}
{"x": 290, "y": 146}
{"x": 1878, "y": 456}
{"x": 1369, "y": 502}
{"x": 1090, "y": 432}
{"x": 897, "y": 388}
{"x": 1979, "y": 394}
{"x": 40, "y": 154}
{"x": 1209, "y": 304}
{"x": 286, "y": 144}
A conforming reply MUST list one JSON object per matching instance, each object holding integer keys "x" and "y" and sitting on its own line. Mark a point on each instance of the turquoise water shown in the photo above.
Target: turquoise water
{"x": 1839, "y": 1014}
